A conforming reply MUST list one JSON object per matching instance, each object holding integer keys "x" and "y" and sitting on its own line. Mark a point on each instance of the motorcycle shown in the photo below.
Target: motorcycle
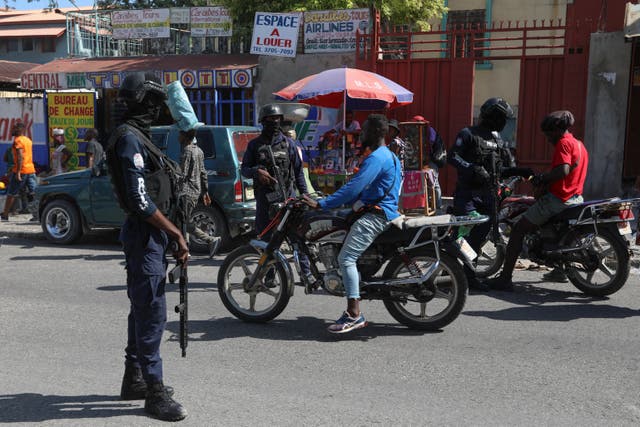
{"x": 422, "y": 285}
{"x": 588, "y": 242}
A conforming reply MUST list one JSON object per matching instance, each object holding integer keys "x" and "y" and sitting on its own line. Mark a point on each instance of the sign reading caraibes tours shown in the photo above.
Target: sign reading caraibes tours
{"x": 75, "y": 113}
{"x": 275, "y": 34}
{"x": 213, "y": 21}
{"x": 141, "y": 24}
{"x": 334, "y": 30}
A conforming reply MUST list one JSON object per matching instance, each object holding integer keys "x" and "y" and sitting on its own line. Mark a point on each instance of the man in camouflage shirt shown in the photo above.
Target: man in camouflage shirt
{"x": 195, "y": 185}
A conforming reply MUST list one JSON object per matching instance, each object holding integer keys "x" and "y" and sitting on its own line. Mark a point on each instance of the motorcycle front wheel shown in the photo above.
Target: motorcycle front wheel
{"x": 491, "y": 255}
{"x": 606, "y": 266}
{"x": 261, "y": 304}
{"x": 438, "y": 303}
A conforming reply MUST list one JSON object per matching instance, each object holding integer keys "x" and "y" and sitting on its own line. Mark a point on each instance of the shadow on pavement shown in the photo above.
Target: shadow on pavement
{"x": 539, "y": 304}
{"x": 35, "y": 407}
{"x": 300, "y": 329}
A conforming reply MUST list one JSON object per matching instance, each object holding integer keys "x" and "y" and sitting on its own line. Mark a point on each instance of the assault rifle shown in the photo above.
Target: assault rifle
{"x": 274, "y": 170}
{"x": 180, "y": 272}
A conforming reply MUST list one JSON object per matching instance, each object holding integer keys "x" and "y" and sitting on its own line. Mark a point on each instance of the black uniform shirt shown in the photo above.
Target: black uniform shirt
{"x": 132, "y": 158}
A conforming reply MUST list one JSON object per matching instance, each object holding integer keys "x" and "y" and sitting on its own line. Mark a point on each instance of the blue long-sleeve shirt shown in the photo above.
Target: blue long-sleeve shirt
{"x": 380, "y": 171}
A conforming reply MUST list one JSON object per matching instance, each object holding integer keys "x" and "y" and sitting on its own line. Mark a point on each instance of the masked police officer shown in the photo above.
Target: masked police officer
{"x": 272, "y": 161}
{"x": 145, "y": 237}
{"x": 481, "y": 157}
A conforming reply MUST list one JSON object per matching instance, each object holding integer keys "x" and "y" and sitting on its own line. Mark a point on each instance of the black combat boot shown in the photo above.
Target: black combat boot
{"x": 160, "y": 405}
{"x": 133, "y": 385}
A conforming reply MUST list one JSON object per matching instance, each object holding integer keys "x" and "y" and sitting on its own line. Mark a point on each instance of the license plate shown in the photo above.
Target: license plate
{"x": 466, "y": 249}
{"x": 248, "y": 193}
{"x": 624, "y": 228}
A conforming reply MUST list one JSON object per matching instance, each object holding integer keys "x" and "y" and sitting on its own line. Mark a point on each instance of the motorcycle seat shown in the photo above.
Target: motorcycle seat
{"x": 422, "y": 221}
{"x": 573, "y": 212}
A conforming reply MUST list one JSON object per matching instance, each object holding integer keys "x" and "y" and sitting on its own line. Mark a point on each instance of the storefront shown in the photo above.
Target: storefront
{"x": 221, "y": 87}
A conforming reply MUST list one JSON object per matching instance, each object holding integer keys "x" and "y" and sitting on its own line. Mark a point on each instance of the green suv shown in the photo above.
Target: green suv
{"x": 73, "y": 203}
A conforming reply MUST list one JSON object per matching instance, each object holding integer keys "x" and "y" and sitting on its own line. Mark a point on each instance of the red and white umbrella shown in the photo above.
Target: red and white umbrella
{"x": 357, "y": 90}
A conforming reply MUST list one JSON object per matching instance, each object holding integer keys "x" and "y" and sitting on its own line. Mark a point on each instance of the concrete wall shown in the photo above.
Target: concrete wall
{"x": 607, "y": 95}
{"x": 276, "y": 72}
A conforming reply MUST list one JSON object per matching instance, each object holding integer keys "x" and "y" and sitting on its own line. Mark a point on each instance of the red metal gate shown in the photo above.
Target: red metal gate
{"x": 438, "y": 66}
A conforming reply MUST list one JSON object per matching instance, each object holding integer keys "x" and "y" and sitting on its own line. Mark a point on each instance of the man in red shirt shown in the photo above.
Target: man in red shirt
{"x": 565, "y": 183}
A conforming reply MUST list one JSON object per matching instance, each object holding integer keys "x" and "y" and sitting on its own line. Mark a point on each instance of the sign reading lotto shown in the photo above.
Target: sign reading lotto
{"x": 191, "y": 79}
{"x": 275, "y": 34}
{"x": 141, "y": 24}
{"x": 75, "y": 113}
{"x": 334, "y": 30}
{"x": 212, "y": 21}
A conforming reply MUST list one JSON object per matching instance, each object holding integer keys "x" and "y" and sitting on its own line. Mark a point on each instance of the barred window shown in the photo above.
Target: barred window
{"x": 462, "y": 20}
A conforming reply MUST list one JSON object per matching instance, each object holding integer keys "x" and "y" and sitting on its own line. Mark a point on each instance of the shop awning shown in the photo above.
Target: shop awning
{"x": 32, "y": 32}
{"x": 193, "y": 71}
{"x": 10, "y": 71}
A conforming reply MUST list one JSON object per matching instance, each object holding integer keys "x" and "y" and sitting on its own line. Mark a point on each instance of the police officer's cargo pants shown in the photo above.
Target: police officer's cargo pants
{"x": 144, "y": 248}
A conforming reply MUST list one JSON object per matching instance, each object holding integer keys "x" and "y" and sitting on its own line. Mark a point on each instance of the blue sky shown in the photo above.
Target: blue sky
{"x": 24, "y": 5}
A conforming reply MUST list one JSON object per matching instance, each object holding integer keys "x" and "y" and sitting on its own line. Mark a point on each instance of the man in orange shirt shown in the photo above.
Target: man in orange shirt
{"x": 24, "y": 171}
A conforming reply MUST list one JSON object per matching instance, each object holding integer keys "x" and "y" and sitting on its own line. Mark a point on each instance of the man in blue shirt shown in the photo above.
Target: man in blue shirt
{"x": 376, "y": 187}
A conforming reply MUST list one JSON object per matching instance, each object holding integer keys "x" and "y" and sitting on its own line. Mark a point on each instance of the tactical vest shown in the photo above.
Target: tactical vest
{"x": 281, "y": 158}
{"x": 162, "y": 182}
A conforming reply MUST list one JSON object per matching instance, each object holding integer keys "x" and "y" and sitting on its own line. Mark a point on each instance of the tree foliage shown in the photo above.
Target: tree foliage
{"x": 414, "y": 13}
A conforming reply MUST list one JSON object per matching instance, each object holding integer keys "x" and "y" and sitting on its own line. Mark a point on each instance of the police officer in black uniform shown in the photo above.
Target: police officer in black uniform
{"x": 145, "y": 237}
{"x": 481, "y": 158}
{"x": 273, "y": 148}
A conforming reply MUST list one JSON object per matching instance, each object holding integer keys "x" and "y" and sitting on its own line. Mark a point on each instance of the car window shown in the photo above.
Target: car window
{"x": 206, "y": 143}
{"x": 241, "y": 140}
{"x": 159, "y": 139}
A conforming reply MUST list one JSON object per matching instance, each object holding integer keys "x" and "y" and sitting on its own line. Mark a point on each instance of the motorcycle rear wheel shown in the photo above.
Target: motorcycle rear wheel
{"x": 613, "y": 266}
{"x": 449, "y": 283}
{"x": 258, "y": 306}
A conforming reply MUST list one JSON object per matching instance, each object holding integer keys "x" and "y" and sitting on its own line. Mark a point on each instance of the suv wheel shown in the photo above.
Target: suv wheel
{"x": 61, "y": 222}
{"x": 210, "y": 220}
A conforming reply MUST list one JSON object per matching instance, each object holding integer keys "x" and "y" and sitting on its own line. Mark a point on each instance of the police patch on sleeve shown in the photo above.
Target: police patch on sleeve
{"x": 459, "y": 142}
{"x": 138, "y": 161}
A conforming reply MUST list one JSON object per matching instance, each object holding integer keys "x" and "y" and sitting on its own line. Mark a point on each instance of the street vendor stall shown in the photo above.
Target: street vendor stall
{"x": 418, "y": 192}
{"x": 349, "y": 89}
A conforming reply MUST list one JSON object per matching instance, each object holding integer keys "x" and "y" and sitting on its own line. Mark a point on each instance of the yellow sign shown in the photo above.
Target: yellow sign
{"x": 74, "y": 112}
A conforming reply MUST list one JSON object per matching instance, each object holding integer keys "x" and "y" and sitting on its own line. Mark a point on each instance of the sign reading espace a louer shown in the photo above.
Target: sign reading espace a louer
{"x": 275, "y": 34}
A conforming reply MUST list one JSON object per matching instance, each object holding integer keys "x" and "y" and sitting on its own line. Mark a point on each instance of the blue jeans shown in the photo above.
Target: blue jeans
{"x": 363, "y": 232}
{"x": 28, "y": 180}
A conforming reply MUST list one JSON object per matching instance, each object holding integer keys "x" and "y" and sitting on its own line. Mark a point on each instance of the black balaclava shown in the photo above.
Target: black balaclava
{"x": 270, "y": 128}
{"x": 494, "y": 121}
{"x": 142, "y": 115}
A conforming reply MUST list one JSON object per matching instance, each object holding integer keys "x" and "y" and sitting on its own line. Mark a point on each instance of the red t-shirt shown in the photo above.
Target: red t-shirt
{"x": 569, "y": 151}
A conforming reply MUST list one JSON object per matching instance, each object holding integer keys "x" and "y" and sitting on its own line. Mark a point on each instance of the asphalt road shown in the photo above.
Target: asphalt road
{"x": 543, "y": 355}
